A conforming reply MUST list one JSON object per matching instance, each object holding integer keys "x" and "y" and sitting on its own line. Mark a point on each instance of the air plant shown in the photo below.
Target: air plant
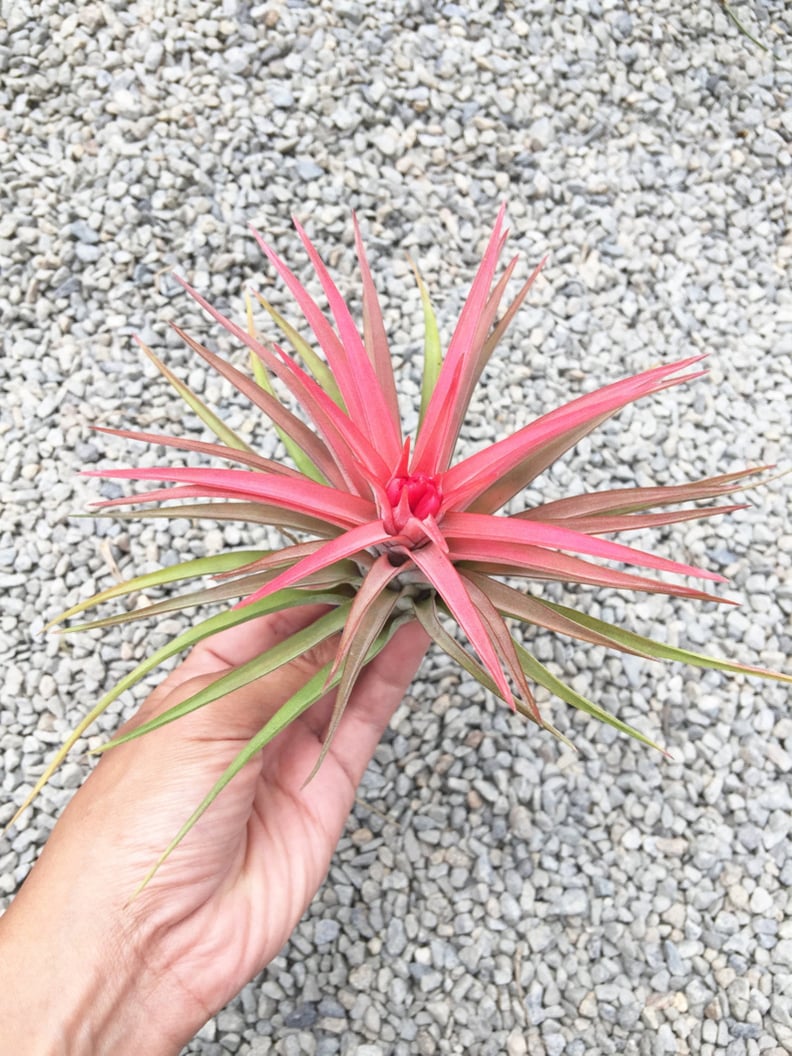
{"x": 382, "y": 529}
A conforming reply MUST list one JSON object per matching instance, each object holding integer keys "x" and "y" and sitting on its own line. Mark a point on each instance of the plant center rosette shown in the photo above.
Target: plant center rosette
{"x": 409, "y": 515}
{"x": 381, "y": 529}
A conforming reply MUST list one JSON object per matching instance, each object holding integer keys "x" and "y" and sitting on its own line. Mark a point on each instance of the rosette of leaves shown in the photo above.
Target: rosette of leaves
{"x": 383, "y": 528}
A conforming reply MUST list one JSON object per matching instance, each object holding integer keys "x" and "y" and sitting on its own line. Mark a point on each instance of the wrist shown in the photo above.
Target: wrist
{"x": 72, "y": 983}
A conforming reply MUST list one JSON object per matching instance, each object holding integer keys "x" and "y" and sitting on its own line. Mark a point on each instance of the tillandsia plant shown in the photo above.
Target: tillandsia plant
{"x": 382, "y": 529}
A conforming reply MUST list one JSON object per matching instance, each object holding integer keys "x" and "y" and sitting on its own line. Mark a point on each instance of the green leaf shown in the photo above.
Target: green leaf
{"x": 298, "y": 456}
{"x": 301, "y": 433}
{"x": 201, "y": 566}
{"x": 433, "y": 353}
{"x": 221, "y": 592}
{"x": 209, "y": 418}
{"x": 313, "y": 690}
{"x": 293, "y": 646}
{"x": 326, "y": 581}
{"x": 283, "y": 599}
{"x": 539, "y": 673}
{"x": 317, "y": 367}
{"x": 308, "y": 695}
{"x": 657, "y": 650}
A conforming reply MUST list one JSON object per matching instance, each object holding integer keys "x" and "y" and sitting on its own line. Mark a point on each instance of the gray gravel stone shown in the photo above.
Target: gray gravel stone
{"x": 326, "y": 931}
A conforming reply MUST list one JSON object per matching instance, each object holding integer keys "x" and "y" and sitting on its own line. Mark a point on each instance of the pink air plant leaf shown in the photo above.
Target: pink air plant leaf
{"x": 246, "y": 458}
{"x": 372, "y": 606}
{"x": 299, "y": 432}
{"x": 489, "y": 473}
{"x": 472, "y": 526}
{"x": 302, "y": 496}
{"x": 350, "y": 364}
{"x": 380, "y": 529}
{"x": 334, "y": 426}
{"x": 374, "y": 336}
{"x": 438, "y": 433}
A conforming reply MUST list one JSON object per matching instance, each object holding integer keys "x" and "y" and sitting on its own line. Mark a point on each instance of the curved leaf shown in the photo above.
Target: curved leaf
{"x": 190, "y": 637}
{"x": 209, "y": 418}
{"x": 201, "y": 566}
{"x": 282, "y": 653}
{"x": 313, "y": 690}
{"x": 539, "y": 673}
{"x": 660, "y": 651}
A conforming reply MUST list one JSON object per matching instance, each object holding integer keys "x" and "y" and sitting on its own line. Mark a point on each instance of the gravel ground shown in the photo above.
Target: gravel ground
{"x": 493, "y": 893}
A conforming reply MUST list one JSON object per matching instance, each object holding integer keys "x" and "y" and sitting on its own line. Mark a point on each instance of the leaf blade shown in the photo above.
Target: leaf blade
{"x": 317, "y": 367}
{"x": 303, "y": 699}
{"x": 282, "y": 653}
{"x": 301, "y": 495}
{"x": 433, "y": 352}
{"x": 374, "y": 336}
{"x": 201, "y": 566}
{"x": 208, "y": 417}
{"x": 308, "y": 442}
{"x": 473, "y": 526}
{"x": 660, "y": 651}
{"x": 488, "y": 479}
{"x": 190, "y": 637}
{"x": 448, "y": 583}
{"x": 540, "y": 674}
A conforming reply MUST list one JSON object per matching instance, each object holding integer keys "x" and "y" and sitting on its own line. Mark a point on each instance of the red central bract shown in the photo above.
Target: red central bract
{"x": 418, "y": 496}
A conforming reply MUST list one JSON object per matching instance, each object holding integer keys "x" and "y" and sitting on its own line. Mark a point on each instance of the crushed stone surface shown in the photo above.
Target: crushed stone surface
{"x": 493, "y": 892}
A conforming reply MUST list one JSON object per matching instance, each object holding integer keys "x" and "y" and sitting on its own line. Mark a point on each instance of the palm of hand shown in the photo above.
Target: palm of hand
{"x": 227, "y": 899}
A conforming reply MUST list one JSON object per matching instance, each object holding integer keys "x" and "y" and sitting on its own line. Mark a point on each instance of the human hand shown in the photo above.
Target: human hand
{"x": 84, "y": 970}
